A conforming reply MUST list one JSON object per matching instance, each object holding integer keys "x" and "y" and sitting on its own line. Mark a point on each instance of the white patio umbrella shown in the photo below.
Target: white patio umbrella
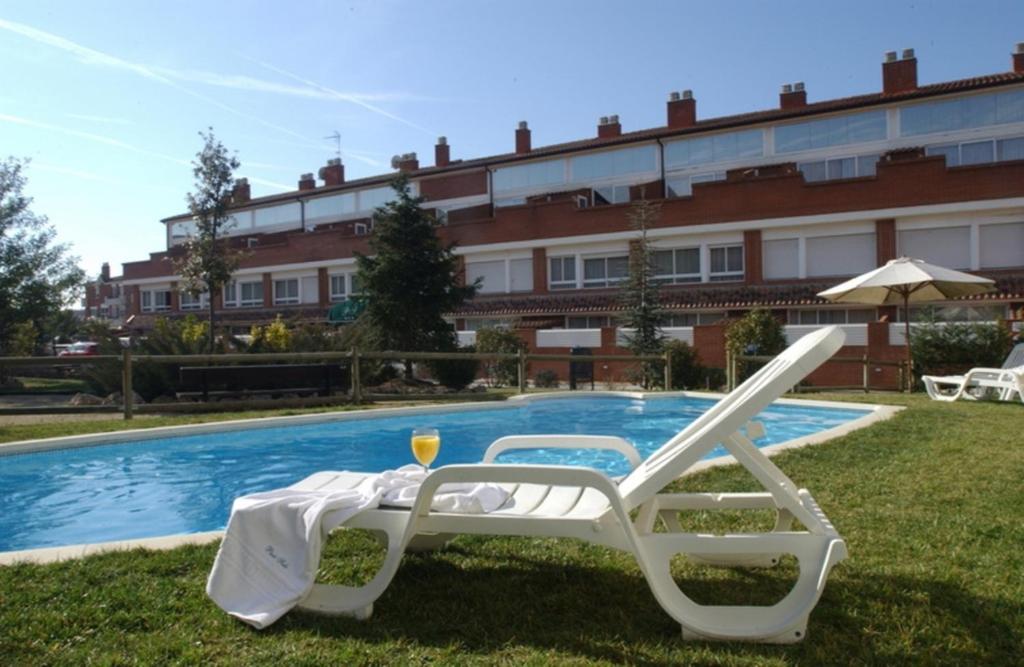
{"x": 904, "y": 280}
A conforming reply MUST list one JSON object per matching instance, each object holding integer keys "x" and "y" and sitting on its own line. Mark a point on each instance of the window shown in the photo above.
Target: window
{"x": 1010, "y": 149}
{"x": 1002, "y": 245}
{"x": 835, "y": 131}
{"x": 487, "y": 323}
{"x": 726, "y": 262}
{"x": 682, "y": 186}
{"x": 586, "y": 321}
{"x": 535, "y": 174}
{"x": 274, "y": 216}
{"x": 781, "y": 259}
{"x": 831, "y": 316}
{"x": 375, "y": 198}
{"x": 681, "y": 265}
{"x": 245, "y": 294}
{"x": 963, "y": 113}
{"x": 521, "y": 275}
{"x": 339, "y": 287}
{"x": 156, "y": 300}
{"x": 605, "y": 271}
{"x": 946, "y": 246}
{"x": 187, "y": 301}
{"x": 954, "y": 313}
{"x": 563, "y": 273}
{"x": 979, "y": 152}
{"x": 286, "y": 291}
{"x": 182, "y": 230}
{"x": 310, "y": 289}
{"x": 693, "y": 319}
{"x": 325, "y": 208}
{"x": 509, "y": 201}
{"x": 611, "y": 194}
{"x": 844, "y": 255}
{"x": 594, "y": 166}
{"x": 845, "y": 167}
{"x": 717, "y": 148}
{"x": 492, "y": 275}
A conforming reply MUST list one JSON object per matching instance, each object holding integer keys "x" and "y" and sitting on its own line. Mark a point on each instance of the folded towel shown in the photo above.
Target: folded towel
{"x": 268, "y": 559}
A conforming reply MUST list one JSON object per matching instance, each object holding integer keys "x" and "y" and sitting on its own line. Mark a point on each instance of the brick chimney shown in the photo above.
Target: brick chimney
{"x": 682, "y": 109}
{"x": 522, "y": 138}
{"x": 105, "y": 272}
{"x": 1018, "y": 58}
{"x": 405, "y": 162}
{"x": 307, "y": 182}
{"x": 608, "y": 127}
{"x": 241, "y": 192}
{"x": 899, "y": 75}
{"x": 333, "y": 173}
{"x": 442, "y": 155}
{"x": 793, "y": 96}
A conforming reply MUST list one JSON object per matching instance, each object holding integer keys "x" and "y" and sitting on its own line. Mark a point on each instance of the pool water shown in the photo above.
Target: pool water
{"x": 186, "y": 484}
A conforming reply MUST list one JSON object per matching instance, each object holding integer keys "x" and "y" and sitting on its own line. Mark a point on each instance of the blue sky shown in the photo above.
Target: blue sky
{"x": 107, "y": 98}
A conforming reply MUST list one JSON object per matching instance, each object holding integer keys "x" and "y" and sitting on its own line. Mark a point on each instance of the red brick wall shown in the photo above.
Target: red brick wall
{"x": 885, "y": 240}
{"x": 462, "y": 184}
{"x": 752, "y": 262}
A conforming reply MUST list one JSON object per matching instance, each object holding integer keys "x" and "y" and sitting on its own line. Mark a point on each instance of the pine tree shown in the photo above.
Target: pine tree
{"x": 640, "y": 297}
{"x": 411, "y": 280}
{"x": 208, "y": 262}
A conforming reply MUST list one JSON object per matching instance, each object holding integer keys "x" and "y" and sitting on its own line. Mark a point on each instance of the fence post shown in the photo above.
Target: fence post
{"x": 127, "y": 393}
{"x": 357, "y": 388}
{"x": 521, "y": 370}
{"x": 730, "y": 371}
{"x": 865, "y": 374}
{"x": 668, "y": 370}
{"x": 900, "y": 378}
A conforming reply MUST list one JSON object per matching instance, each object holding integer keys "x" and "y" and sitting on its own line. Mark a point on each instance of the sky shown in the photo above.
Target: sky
{"x": 107, "y": 98}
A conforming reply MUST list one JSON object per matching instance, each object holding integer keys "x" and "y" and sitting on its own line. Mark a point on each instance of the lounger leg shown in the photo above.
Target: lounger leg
{"x": 334, "y": 600}
{"x": 428, "y": 541}
{"x": 781, "y": 623}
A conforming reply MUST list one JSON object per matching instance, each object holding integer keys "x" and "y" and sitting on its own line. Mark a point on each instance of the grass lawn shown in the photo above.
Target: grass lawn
{"x": 48, "y": 386}
{"x": 931, "y": 504}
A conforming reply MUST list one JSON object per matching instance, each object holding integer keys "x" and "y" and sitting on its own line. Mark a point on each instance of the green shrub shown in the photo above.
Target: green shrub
{"x": 546, "y": 379}
{"x": 756, "y": 333}
{"x": 505, "y": 372}
{"x": 940, "y": 348}
{"x": 455, "y": 373}
{"x": 687, "y": 371}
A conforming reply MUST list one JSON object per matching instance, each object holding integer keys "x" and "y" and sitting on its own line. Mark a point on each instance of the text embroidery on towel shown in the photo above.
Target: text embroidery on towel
{"x": 280, "y": 561}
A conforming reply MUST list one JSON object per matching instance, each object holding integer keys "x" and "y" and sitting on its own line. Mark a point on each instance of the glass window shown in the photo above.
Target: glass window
{"x": 521, "y": 275}
{"x": 605, "y": 271}
{"x": 867, "y": 164}
{"x": 977, "y": 152}
{"x": 325, "y": 208}
{"x": 339, "y": 287}
{"x": 682, "y": 186}
{"x": 781, "y": 258}
{"x": 1002, "y": 245}
{"x": 491, "y": 275}
{"x": 681, "y": 265}
{"x": 563, "y": 273}
{"x": 230, "y": 294}
{"x": 273, "y": 216}
{"x": 813, "y": 171}
{"x": 951, "y": 152}
{"x": 594, "y": 166}
{"x": 375, "y": 198}
{"x": 726, "y": 262}
{"x": 843, "y": 255}
{"x": 944, "y": 246}
{"x": 156, "y": 300}
{"x": 963, "y": 113}
{"x": 841, "y": 168}
{"x": 718, "y": 148}
{"x": 531, "y": 175}
{"x": 251, "y": 293}
{"x": 286, "y": 291}
{"x": 1010, "y": 149}
{"x": 586, "y": 321}
{"x": 187, "y": 301}
{"x": 835, "y": 131}
{"x": 611, "y": 194}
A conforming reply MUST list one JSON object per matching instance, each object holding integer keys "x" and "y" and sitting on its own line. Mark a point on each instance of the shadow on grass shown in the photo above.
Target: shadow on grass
{"x": 607, "y": 612}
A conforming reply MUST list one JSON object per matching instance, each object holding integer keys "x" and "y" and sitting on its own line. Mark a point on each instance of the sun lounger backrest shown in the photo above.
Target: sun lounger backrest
{"x": 1015, "y": 358}
{"x": 730, "y": 414}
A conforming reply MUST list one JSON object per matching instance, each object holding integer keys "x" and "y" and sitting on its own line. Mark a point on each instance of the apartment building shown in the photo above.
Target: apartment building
{"x": 761, "y": 209}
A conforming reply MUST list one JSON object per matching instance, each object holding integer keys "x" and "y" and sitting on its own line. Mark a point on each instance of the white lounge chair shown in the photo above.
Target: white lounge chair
{"x": 564, "y": 501}
{"x": 1006, "y": 382}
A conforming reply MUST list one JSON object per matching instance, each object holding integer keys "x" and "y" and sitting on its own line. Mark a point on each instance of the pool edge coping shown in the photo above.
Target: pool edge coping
{"x": 874, "y": 413}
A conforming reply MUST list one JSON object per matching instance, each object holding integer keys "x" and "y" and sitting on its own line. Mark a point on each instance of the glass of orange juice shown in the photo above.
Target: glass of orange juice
{"x": 425, "y": 444}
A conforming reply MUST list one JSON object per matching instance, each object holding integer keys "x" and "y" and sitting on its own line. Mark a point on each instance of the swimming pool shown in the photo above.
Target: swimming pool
{"x": 153, "y": 486}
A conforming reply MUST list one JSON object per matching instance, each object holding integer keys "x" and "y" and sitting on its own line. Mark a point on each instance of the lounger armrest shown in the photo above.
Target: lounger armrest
{"x": 513, "y": 474}
{"x": 569, "y": 441}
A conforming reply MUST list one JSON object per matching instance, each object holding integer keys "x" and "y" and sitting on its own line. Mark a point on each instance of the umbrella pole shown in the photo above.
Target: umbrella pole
{"x": 906, "y": 335}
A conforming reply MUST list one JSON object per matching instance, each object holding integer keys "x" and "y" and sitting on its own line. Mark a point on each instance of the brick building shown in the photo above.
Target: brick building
{"x": 759, "y": 209}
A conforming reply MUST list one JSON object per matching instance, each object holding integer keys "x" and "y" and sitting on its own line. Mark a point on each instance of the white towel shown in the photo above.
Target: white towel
{"x": 268, "y": 559}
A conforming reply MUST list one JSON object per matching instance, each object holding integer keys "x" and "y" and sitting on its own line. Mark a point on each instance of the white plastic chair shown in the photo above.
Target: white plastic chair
{"x": 1006, "y": 382}
{"x": 583, "y": 503}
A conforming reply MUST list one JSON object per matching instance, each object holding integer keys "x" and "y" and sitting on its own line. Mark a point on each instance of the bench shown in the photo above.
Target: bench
{"x": 206, "y": 381}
